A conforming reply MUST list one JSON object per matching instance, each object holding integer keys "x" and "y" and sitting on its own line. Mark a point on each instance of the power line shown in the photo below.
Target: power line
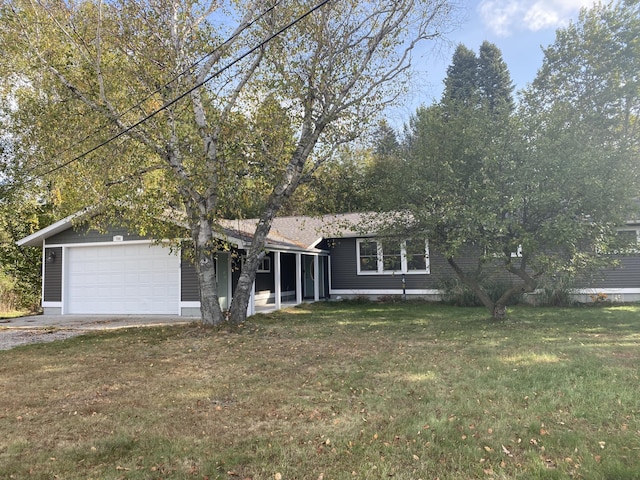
{"x": 175, "y": 78}
{"x": 181, "y": 96}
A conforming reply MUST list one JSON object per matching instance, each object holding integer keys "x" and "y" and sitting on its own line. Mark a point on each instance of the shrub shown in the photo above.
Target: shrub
{"x": 458, "y": 294}
{"x": 557, "y": 292}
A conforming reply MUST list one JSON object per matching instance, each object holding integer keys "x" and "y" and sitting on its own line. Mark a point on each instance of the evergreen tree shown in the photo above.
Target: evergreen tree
{"x": 461, "y": 84}
{"x": 494, "y": 80}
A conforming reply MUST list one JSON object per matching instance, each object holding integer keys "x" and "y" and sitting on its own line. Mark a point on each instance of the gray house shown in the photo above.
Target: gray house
{"x": 87, "y": 271}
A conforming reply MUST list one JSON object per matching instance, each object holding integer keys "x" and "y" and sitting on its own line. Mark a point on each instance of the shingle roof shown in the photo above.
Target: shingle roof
{"x": 297, "y": 232}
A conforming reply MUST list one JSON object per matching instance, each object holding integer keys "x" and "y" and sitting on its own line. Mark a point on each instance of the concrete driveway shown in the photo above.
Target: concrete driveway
{"x": 15, "y": 332}
{"x": 92, "y": 322}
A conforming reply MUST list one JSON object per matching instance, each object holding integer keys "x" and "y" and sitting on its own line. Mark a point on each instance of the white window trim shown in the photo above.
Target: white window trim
{"x": 380, "y": 260}
{"x": 265, "y": 265}
{"x": 517, "y": 253}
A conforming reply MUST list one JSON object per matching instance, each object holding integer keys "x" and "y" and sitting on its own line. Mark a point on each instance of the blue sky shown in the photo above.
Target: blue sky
{"x": 517, "y": 27}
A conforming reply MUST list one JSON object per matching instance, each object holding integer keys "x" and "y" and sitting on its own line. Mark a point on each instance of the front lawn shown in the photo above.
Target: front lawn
{"x": 333, "y": 391}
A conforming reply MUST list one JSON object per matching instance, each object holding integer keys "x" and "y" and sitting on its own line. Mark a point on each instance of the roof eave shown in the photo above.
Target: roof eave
{"x": 37, "y": 239}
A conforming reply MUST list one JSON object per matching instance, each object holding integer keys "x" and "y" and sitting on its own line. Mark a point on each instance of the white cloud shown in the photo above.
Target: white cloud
{"x": 505, "y": 17}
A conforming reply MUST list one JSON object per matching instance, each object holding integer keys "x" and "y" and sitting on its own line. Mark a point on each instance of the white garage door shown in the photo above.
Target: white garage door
{"x": 122, "y": 279}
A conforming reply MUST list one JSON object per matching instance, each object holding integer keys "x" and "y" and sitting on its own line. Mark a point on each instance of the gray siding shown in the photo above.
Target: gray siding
{"x": 83, "y": 234}
{"x": 344, "y": 274}
{"x": 625, "y": 275}
{"x": 53, "y": 275}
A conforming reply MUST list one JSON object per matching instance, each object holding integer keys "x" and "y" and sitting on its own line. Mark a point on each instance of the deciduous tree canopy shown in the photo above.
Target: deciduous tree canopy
{"x": 539, "y": 190}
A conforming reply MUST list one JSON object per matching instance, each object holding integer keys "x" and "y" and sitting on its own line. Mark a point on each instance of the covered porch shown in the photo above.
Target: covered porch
{"x": 287, "y": 278}
{"x": 284, "y": 278}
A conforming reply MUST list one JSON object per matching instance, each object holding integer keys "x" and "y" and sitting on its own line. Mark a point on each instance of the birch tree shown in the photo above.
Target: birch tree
{"x": 170, "y": 90}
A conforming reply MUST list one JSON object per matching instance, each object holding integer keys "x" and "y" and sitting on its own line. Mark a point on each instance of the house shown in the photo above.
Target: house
{"x": 87, "y": 271}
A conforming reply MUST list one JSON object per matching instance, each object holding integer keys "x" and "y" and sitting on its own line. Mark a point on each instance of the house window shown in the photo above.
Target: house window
{"x": 367, "y": 256}
{"x": 388, "y": 257}
{"x": 391, "y": 252}
{"x": 265, "y": 265}
{"x": 417, "y": 256}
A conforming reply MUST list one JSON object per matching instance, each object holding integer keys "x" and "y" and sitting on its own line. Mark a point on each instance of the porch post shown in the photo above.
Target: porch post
{"x": 316, "y": 280}
{"x": 298, "y": 278}
{"x": 277, "y": 280}
{"x": 328, "y": 293}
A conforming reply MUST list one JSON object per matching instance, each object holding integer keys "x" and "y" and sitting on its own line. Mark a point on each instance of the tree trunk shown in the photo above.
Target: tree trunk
{"x": 291, "y": 179}
{"x": 242, "y": 292}
{"x": 210, "y": 311}
{"x": 497, "y": 311}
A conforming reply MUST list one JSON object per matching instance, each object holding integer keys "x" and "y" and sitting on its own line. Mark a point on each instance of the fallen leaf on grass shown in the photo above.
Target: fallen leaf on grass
{"x": 549, "y": 463}
{"x": 506, "y": 451}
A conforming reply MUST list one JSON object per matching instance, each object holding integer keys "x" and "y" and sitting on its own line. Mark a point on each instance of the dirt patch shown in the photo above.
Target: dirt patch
{"x": 10, "y": 338}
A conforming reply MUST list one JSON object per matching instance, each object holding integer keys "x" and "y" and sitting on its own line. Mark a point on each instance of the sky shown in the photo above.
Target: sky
{"x": 519, "y": 28}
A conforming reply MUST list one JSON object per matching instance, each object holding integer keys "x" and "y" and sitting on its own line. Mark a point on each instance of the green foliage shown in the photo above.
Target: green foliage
{"x": 557, "y": 291}
{"x": 494, "y": 80}
{"x": 385, "y": 170}
{"x": 20, "y": 267}
{"x": 336, "y": 186}
{"x": 552, "y": 180}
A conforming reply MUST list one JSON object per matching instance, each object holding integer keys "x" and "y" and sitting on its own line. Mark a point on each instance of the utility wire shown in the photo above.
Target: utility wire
{"x": 181, "y": 96}
{"x": 185, "y": 71}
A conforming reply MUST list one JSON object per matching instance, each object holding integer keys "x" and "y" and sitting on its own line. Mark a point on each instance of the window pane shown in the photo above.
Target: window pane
{"x": 391, "y": 256}
{"x": 416, "y": 258}
{"x": 368, "y": 256}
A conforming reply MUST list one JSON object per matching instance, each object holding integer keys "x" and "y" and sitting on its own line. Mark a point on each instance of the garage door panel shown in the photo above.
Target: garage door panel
{"x": 122, "y": 279}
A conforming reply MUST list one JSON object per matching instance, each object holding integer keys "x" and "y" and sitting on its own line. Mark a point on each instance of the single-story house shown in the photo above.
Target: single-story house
{"x": 86, "y": 271}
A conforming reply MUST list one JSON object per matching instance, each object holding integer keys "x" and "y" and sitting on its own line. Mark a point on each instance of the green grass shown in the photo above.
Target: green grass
{"x": 333, "y": 391}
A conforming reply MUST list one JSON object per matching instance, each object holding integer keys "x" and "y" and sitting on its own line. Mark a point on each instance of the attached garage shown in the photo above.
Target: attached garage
{"x": 110, "y": 272}
{"x": 138, "y": 278}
